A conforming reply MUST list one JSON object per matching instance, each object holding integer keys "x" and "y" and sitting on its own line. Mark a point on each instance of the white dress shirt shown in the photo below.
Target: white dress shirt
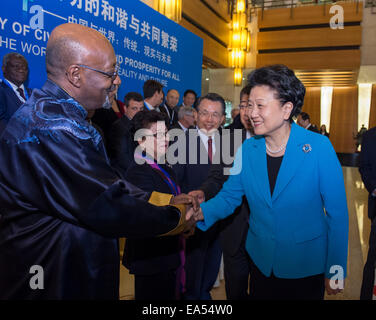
{"x": 14, "y": 87}
{"x": 205, "y": 138}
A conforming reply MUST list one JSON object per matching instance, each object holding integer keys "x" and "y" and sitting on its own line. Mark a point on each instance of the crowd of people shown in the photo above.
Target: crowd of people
{"x": 76, "y": 174}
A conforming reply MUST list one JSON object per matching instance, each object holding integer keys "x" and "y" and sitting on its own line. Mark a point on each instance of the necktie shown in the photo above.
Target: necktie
{"x": 210, "y": 149}
{"x": 21, "y": 92}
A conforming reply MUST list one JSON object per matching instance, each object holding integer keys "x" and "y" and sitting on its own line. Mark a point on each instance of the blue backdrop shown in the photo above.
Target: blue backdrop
{"x": 147, "y": 44}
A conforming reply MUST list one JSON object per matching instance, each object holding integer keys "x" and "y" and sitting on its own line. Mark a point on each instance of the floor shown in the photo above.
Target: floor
{"x": 359, "y": 228}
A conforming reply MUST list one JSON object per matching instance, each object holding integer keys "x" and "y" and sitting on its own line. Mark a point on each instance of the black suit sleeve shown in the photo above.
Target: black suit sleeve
{"x": 367, "y": 163}
{"x": 214, "y": 182}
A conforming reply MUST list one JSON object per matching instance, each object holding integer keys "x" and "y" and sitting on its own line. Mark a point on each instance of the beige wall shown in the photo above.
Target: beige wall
{"x": 368, "y": 47}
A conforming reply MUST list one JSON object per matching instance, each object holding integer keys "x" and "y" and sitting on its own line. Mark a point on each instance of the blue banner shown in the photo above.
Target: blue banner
{"x": 147, "y": 44}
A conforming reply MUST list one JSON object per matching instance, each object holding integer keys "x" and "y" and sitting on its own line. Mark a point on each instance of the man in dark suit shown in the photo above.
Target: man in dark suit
{"x": 186, "y": 119}
{"x": 13, "y": 92}
{"x": 305, "y": 122}
{"x": 169, "y": 107}
{"x": 234, "y": 228}
{"x": 189, "y": 98}
{"x": 153, "y": 94}
{"x": 121, "y": 145}
{"x": 202, "y": 146}
{"x": 367, "y": 169}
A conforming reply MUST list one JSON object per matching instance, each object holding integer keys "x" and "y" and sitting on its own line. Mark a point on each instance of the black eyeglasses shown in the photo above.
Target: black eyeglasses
{"x": 110, "y": 75}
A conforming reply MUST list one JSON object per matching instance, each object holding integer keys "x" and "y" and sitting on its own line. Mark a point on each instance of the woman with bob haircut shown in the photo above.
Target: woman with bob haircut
{"x": 298, "y": 227}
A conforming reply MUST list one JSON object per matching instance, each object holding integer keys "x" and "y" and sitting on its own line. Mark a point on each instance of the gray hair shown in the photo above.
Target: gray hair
{"x": 185, "y": 110}
{"x": 11, "y": 55}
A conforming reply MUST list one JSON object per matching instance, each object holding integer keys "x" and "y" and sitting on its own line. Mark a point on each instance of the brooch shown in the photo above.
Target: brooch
{"x": 307, "y": 148}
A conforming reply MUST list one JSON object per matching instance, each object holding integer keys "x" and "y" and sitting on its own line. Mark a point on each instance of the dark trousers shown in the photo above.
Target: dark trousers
{"x": 369, "y": 268}
{"x": 203, "y": 259}
{"x": 159, "y": 286}
{"x": 237, "y": 271}
{"x": 273, "y": 288}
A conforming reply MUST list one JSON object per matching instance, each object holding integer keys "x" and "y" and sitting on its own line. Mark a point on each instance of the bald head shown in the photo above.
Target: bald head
{"x": 82, "y": 61}
{"x": 72, "y": 44}
{"x": 172, "y": 98}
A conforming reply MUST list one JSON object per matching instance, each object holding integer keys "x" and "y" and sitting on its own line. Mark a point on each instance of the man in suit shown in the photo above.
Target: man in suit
{"x": 234, "y": 228}
{"x": 170, "y": 106}
{"x": 367, "y": 169}
{"x": 186, "y": 119}
{"x": 13, "y": 92}
{"x": 120, "y": 144}
{"x": 153, "y": 94}
{"x": 305, "y": 122}
{"x": 189, "y": 98}
{"x": 203, "y": 253}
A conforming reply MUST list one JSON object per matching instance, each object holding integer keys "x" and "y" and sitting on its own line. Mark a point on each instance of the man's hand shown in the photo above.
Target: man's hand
{"x": 187, "y": 200}
{"x": 330, "y": 290}
{"x": 190, "y": 226}
{"x": 194, "y": 214}
{"x": 199, "y": 194}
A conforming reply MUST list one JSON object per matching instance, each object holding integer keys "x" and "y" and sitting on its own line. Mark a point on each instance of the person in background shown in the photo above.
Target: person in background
{"x": 170, "y": 106}
{"x": 234, "y": 113}
{"x": 367, "y": 169}
{"x": 104, "y": 118}
{"x": 233, "y": 230}
{"x": 13, "y": 90}
{"x": 202, "y": 147}
{"x": 297, "y": 239}
{"x": 153, "y": 94}
{"x": 323, "y": 130}
{"x": 155, "y": 262}
{"x": 120, "y": 144}
{"x": 189, "y": 98}
{"x": 359, "y": 137}
{"x": 186, "y": 118}
{"x": 305, "y": 122}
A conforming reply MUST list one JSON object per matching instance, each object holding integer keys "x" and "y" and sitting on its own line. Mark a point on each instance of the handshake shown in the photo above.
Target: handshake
{"x": 193, "y": 211}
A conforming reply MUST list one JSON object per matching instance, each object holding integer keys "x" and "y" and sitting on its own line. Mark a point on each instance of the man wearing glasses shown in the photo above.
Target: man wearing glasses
{"x": 62, "y": 205}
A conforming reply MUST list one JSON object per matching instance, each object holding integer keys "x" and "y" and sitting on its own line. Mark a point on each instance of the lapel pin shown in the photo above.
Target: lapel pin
{"x": 307, "y": 148}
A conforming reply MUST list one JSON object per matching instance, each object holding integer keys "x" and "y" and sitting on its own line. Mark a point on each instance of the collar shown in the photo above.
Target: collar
{"x": 14, "y": 86}
{"x": 184, "y": 128}
{"x": 59, "y": 93}
{"x": 148, "y": 105}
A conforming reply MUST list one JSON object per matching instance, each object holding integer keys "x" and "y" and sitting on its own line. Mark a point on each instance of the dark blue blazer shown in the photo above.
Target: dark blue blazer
{"x": 9, "y": 103}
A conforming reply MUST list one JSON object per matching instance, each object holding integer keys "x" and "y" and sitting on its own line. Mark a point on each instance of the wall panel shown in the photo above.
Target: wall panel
{"x": 312, "y": 103}
{"x": 309, "y": 38}
{"x": 344, "y": 119}
{"x": 330, "y": 59}
{"x": 306, "y": 15}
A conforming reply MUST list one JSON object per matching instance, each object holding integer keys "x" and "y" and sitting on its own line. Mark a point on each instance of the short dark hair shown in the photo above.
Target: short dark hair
{"x": 212, "y": 97}
{"x": 132, "y": 96}
{"x": 144, "y": 119}
{"x": 245, "y": 91}
{"x": 283, "y": 80}
{"x": 150, "y": 87}
{"x": 190, "y": 91}
{"x": 305, "y": 116}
